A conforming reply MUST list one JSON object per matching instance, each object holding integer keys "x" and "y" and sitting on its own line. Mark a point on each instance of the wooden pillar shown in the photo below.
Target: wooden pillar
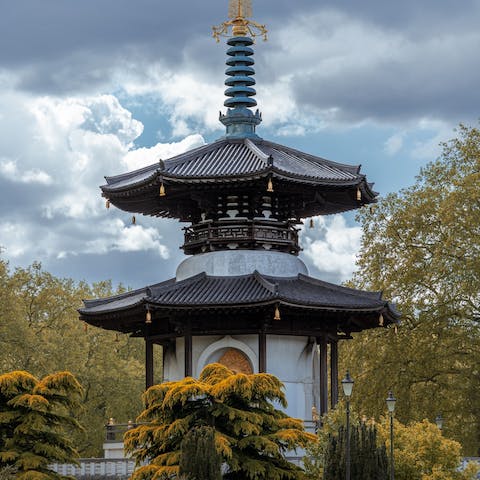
{"x": 334, "y": 373}
{"x": 262, "y": 352}
{"x": 188, "y": 353}
{"x": 323, "y": 376}
{"x": 149, "y": 374}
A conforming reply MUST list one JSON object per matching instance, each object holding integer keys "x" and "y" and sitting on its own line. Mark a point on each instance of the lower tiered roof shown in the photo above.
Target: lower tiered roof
{"x": 302, "y": 301}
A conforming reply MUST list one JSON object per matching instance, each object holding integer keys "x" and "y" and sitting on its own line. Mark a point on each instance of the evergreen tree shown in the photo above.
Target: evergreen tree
{"x": 36, "y": 422}
{"x": 251, "y": 435}
{"x": 199, "y": 459}
{"x": 368, "y": 458}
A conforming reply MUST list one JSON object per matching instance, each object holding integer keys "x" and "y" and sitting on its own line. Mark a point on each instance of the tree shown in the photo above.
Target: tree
{"x": 368, "y": 456}
{"x": 38, "y": 312}
{"x": 421, "y": 452}
{"x": 199, "y": 459}
{"x": 326, "y": 458}
{"x": 251, "y": 435}
{"x": 422, "y": 248}
{"x": 36, "y": 422}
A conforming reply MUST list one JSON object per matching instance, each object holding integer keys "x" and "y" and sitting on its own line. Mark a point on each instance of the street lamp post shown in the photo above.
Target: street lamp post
{"x": 347, "y": 384}
{"x": 439, "y": 421}
{"x": 391, "y": 409}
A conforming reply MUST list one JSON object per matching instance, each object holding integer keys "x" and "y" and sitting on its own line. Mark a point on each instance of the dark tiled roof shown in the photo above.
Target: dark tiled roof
{"x": 207, "y": 291}
{"x": 226, "y": 159}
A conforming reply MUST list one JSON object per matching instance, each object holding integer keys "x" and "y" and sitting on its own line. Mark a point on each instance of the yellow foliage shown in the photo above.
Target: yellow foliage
{"x": 16, "y": 382}
{"x": 223, "y": 445}
{"x": 34, "y": 402}
{"x": 32, "y": 475}
{"x": 421, "y": 452}
{"x": 214, "y": 373}
{"x": 40, "y": 417}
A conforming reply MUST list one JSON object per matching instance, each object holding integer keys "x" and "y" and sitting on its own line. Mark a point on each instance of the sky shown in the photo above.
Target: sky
{"x": 101, "y": 87}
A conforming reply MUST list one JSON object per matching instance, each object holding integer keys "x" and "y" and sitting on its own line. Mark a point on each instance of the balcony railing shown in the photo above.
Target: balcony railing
{"x": 241, "y": 233}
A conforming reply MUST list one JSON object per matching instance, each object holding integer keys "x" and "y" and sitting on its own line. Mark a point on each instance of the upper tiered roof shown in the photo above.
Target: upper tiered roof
{"x": 319, "y": 185}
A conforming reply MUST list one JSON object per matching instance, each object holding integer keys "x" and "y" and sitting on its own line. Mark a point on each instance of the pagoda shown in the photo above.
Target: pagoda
{"x": 243, "y": 297}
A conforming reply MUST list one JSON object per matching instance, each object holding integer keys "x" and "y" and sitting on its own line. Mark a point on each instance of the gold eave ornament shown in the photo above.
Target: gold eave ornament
{"x": 162, "y": 191}
{"x": 270, "y": 185}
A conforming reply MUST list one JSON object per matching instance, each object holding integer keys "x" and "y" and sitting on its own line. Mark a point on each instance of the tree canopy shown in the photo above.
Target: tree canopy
{"x": 251, "y": 435}
{"x": 40, "y": 332}
{"x": 422, "y": 248}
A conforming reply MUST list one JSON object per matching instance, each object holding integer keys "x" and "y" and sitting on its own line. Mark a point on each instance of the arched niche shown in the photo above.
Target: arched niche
{"x": 230, "y": 350}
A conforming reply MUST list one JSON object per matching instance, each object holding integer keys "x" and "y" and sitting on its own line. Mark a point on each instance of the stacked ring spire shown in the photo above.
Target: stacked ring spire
{"x": 240, "y": 74}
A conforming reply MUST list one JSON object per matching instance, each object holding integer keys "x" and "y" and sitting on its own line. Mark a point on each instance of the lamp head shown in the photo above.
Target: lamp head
{"x": 347, "y": 385}
{"x": 439, "y": 421}
{"x": 391, "y": 402}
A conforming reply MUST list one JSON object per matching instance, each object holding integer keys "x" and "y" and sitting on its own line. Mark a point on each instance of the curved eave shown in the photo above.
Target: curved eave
{"x": 150, "y": 185}
{"x": 200, "y": 294}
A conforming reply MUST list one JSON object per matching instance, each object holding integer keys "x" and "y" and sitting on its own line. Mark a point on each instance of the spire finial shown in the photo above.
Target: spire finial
{"x": 240, "y": 121}
{"x": 239, "y": 13}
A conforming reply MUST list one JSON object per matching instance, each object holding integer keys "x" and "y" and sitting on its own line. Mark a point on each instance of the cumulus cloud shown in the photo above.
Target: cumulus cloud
{"x": 75, "y": 141}
{"x": 370, "y": 72}
{"x": 331, "y": 246}
{"x": 394, "y": 143}
{"x": 142, "y": 157}
{"x": 131, "y": 238}
{"x": 9, "y": 170}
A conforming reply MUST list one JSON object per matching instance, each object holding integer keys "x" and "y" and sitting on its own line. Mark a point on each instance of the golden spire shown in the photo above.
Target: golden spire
{"x": 239, "y": 12}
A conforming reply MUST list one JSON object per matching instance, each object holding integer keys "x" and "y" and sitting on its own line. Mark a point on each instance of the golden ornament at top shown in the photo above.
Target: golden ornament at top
{"x": 239, "y": 12}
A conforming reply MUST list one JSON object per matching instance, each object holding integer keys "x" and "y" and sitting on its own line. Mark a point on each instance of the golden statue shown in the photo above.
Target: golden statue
{"x": 239, "y": 12}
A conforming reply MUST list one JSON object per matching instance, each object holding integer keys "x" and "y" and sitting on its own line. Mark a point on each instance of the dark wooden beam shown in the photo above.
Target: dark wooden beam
{"x": 188, "y": 353}
{"x": 323, "y": 376}
{"x": 334, "y": 373}
{"x": 262, "y": 352}
{"x": 149, "y": 373}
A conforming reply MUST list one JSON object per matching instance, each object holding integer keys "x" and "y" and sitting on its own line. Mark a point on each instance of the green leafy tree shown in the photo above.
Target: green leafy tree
{"x": 422, "y": 248}
{"x": 421, "y": 452}
{"x": 36, "y": 422}
{"x": 38, "y": 312}
{"x": 199, "y": 459}
{"x": 251, "y": 435}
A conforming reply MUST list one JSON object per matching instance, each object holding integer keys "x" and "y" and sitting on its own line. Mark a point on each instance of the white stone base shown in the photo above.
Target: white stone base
{"x": 241, "y": 262}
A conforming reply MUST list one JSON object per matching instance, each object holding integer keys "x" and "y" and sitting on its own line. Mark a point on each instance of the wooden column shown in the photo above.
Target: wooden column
{"x": 149, "y": 373}
{"x": 334, "y": 373}
{"x": 323, "y": 376}
{"x": 262, "y": 352}
{"x": 188, "y": 353}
